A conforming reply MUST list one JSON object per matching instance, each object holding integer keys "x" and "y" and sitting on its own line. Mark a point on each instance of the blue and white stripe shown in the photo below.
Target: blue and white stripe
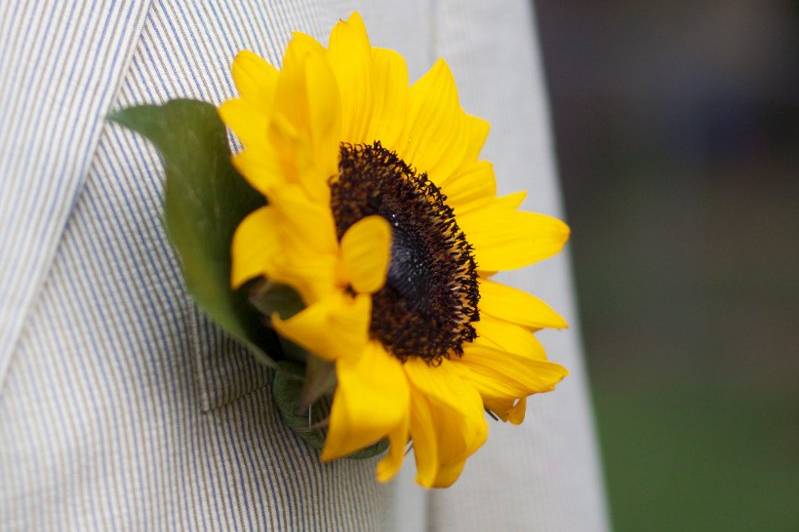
{"x": 60, "y": 64}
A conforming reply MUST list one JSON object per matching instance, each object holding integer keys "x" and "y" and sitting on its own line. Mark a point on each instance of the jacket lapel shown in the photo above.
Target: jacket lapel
{"x": 61, "y": 64}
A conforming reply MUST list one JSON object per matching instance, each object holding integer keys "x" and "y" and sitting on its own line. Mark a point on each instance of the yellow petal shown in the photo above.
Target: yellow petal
{"x": 457, "y": 414}
{"x": 350, "y": 57}
{"x": 333, "y": 328}
{"x": 372, "y": 399}
{"x": 472, "y": 187}
{"x": 323, "y": 114}
{"x": 390, "y": 465}
{"x": 441, "y": 384}
{"x": 291, "y": 89}
{"x": 505, "y": 239}
{"x": 517, "y": 306}
{"x": 307, "y": 224}
{"x": 474, "y": 132}
{"x": 308, "y": 254}
{"x": 448, "y": 474}
{"x": 312, "y": 276}
{"x": 255, "y": 80}
{"x": 499, "y": 374}
{"x": 439, "y": 445}
{"x": 260, "y": 168}
{"x": 247, "y": 122}
{"x": 511, "y": 410}
{"x": 308, "y": 247}
{"x": 254, "y": 244}
{"x": 511, "y": 201}
{"x": 492, "y": 386}
{"x": 305, "y": 124}
{"x": 506, "y": 336}
{"x": 366, "y": 253}
{"x": 516, "y": 414}
{"x": 439, "y": 137}
{"x": 433, "y": 119}
{"x": 425, "y": 447}
{"x": 390, "y": 92}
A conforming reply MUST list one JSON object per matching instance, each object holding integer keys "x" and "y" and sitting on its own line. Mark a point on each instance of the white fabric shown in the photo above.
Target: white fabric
{"x": 121, "y": 406}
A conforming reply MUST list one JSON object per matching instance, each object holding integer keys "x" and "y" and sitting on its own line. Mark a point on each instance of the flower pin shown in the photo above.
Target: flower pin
{"x": 351, "y": 245}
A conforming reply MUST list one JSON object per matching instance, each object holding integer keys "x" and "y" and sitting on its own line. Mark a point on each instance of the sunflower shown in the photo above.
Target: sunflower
{"x": 383, "y": 218}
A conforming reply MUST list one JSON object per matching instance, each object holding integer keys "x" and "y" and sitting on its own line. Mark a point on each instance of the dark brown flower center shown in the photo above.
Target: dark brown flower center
{"x": 429, "y": 301}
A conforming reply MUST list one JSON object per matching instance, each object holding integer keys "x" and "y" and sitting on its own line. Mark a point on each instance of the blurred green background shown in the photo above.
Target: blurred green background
{"x": 677, "y": 132}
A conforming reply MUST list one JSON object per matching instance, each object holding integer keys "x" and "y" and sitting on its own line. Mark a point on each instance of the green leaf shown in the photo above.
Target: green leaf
{"x": 270, "y": 297}
{"x": 205, "y": 199}
{"x": 373, "y": 450}
{"x": 320, "y": 379}
{"x": 292, "y": 351}
{"x": 286, "y": 389}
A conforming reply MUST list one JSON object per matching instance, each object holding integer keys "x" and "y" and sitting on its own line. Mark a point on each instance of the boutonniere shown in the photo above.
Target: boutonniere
{"x": 351, "y": 245}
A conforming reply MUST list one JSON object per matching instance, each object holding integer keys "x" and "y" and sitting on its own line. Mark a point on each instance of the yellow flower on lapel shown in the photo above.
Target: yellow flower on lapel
{"x": 385, "y": 220}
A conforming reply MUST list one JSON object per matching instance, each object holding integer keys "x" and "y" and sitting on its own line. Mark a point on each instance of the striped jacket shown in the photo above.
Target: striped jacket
{"x": 121, "y": 406}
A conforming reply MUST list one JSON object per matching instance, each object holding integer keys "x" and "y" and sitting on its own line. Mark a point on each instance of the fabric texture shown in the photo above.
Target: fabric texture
{"x": 60, "y": 66}
{"x": 121, "y": 406}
